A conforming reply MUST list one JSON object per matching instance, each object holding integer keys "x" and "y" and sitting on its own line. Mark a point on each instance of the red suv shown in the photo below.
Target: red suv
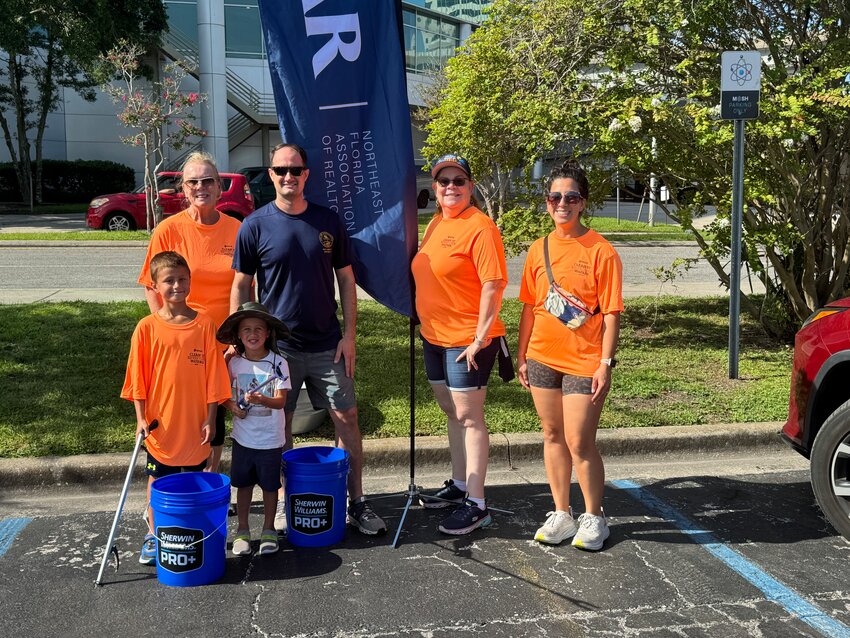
{"x": 126, "y": 211}
{"x": 818, "y": 424}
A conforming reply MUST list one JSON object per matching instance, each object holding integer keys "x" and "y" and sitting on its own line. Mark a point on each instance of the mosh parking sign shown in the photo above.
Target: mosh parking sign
{"x": 180, "y": 549}
{"x": 740, "y": 85}
{"x": 311, "y": 513}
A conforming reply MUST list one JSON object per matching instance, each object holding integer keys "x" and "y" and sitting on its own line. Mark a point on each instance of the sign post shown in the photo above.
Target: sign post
{"x": 740, "y": 86}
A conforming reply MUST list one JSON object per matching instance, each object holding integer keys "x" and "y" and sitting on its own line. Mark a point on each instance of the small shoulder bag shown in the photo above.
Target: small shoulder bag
{"x": 566, "y": 307}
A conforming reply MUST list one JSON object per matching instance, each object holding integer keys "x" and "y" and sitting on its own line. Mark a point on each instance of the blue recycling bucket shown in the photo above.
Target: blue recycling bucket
{"x": 190, "y": 519}
{"x": 315, "y": 495}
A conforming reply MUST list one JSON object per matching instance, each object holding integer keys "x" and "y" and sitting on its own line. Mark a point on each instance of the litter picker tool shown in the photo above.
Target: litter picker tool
{"x": 244, "y": 405}
{"x": 110, "y": 543}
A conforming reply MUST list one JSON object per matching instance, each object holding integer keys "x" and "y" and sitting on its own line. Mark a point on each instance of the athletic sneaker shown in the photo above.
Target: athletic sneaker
{"x": 242, "y": 543}
{"x": 449, "y": 495}
{"x": 592, "y": 532}
{"x": 363, "y": 517}
{"x": 268, "y": 542}
{"x": 148, "y": 554}
{"x": 466, "y": 518}
{"x": 280, "y": 516}
{"x": 558, "y": 527}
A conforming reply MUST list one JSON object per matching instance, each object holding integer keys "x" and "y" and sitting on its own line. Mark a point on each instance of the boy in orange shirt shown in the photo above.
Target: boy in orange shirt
{"x": 175, "y": 374}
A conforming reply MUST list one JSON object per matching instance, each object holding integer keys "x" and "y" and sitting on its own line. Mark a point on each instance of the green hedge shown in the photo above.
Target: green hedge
{"x": 70, "y": 181}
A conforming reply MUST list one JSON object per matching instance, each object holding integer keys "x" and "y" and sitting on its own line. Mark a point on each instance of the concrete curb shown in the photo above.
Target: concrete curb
{"x": 505, "y": 449}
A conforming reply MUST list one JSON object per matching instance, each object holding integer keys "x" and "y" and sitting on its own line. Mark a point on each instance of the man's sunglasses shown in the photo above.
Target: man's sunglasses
{"x": 206, "y": 182}
{"x": 295, "y": 171}
{"x": 459, "y": 182}
{"x": 572, "y": 197}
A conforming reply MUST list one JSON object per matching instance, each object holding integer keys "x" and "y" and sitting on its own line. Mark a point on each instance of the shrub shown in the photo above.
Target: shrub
{"x": 74, "y": 181}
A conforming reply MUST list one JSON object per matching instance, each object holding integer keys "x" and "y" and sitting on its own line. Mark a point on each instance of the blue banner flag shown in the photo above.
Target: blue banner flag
{"x": 341, "y": 93}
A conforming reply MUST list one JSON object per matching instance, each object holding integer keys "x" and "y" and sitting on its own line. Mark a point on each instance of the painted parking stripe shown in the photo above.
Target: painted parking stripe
{"x": 9, "y": 529}
{"x": 773, "y": 590}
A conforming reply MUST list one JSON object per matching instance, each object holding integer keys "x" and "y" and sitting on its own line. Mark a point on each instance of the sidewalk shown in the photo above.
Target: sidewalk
{"x": 91, "y": 469}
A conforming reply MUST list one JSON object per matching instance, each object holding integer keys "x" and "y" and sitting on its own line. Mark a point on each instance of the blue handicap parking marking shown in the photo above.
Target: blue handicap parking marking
{"x": 9, "y": 529}
{"x": 793, "y": 602}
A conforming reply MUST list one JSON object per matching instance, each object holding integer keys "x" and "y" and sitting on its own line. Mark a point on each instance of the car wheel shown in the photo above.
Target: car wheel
{"x": 830, "y": 469}
{"x": 119, "y": 221}
{"x": 423, "y": 198}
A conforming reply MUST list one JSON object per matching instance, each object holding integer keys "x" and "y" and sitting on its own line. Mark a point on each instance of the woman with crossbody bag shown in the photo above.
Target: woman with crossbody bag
{"x": 568, "y": 332}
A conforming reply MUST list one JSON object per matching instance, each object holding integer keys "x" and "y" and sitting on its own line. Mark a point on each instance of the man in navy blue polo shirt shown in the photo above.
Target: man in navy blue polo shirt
{"x": 293, "y": 248}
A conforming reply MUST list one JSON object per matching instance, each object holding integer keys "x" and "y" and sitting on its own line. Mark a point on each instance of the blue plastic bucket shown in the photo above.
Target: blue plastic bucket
{"x": 190, "y": 518}
{"x": 315, "y": 495}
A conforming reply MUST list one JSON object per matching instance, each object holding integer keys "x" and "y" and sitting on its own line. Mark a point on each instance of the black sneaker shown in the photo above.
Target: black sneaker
{"x": 449, "y": 495}
{"x": 363, "y": 517}
{"x": 466, "y": 518}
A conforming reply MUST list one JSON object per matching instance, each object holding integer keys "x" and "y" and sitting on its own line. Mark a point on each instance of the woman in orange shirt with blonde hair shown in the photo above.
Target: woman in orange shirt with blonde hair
{"x": 460, "y": 273}
{"x": 572, "y": 294}
{"x": 206, "y": 239}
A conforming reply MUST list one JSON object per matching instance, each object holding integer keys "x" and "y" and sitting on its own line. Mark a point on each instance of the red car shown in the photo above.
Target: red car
{"x": 126, "y": 211}
{"x": 818, "y": 425}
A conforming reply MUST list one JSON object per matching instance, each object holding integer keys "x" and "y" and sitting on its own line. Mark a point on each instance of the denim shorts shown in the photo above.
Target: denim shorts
{"x": 542, "y": 376}
{"x": 442, "y": 369}
{"x": 158, "y": 469}
{"x": 249, "y": 467}
{"x": 327, "y": 385}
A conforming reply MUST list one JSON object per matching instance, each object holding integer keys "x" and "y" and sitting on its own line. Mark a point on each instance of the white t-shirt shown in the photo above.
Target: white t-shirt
{"x": 263, "y": 428}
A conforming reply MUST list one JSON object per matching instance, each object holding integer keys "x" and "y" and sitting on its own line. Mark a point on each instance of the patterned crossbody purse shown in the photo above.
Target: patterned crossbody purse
{"x": 569, "y": 309}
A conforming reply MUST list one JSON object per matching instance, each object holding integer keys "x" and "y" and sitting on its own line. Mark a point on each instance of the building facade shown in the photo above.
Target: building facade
{"x": 239, "y": 114}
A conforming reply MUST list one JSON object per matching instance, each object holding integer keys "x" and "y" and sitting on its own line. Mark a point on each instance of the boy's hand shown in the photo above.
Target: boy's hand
{"x": 207, "y": 432}
{"x": 254, "y": 398}
{"x": 142, "y": 428}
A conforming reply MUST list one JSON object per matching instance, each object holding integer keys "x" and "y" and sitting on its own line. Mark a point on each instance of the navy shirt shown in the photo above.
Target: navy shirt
{"x": 294, "y": 258}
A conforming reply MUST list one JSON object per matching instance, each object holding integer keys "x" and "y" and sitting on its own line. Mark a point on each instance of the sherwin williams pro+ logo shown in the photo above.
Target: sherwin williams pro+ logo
{"x": 180, "y": 549}
{"x": 311, "y": 513}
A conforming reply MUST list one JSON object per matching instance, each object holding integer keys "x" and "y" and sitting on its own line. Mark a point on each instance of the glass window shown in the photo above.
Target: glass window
{"x": 427, "y": 24}
{"x": 451, "y": 29}
{"x": 183, "y": 17}
{"x": 243, "y": 36}
{"x": 410, "y": 47}
{"x": 409, "y": 17}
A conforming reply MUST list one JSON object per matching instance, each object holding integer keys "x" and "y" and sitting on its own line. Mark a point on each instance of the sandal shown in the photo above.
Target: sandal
{"x": 242, "y": 543}
{"x": 268, "y": 542}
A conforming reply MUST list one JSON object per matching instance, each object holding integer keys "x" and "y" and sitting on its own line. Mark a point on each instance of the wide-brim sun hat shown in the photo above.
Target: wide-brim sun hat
{"x": 227, "y": 333}
{"x": 451, "y": 159}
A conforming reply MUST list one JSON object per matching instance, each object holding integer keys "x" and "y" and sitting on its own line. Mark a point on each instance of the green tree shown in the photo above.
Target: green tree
{"x": 46, "y": 46}
{"x": 158, "y": 111}
{"x": 640, "y": 70}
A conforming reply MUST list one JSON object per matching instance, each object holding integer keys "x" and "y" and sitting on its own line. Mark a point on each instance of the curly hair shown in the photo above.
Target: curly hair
{"x": 570, "y": 169}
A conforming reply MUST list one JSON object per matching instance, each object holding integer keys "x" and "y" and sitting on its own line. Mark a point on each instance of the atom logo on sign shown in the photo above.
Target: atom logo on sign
{"x": 742, "y": 72}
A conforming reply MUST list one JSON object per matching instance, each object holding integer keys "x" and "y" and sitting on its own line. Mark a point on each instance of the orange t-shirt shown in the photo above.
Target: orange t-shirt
{"x": 456, "y": 258}
{"x": 177, "y": 369}
{"x": 209, "y": 252}
{"x": 587, "y": 267}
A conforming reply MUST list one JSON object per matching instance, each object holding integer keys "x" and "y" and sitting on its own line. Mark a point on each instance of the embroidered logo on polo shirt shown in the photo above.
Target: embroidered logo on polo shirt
{"x": 327, "y": 241}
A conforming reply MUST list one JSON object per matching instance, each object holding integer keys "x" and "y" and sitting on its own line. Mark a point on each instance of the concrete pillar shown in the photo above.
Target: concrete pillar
{"x": 465, "y": 31}
{"x": 266, "y": 146}
{"x": 213, "y": 81}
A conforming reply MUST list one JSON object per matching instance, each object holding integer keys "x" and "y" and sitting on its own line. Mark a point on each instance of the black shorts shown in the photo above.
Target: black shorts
{"x": 250, "y": 467}
{"x": 218, "y": 439}
{"x": 542, "y": 376}
{"x": 158, "y": 469}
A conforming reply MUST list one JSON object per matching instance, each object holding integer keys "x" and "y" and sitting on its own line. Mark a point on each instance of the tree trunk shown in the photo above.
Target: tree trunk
{"x": 23, "y": 166}
{"x": 47, "y": 89}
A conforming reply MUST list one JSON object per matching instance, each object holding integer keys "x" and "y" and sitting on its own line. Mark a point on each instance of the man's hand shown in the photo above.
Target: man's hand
{"x": 346, "y": 349}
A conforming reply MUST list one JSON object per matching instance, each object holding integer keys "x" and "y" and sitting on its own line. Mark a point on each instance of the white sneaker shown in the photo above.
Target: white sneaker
{"x": 592, "y": 532}
{"x": 280, "y": 516}
{"x": 558, "y": 527}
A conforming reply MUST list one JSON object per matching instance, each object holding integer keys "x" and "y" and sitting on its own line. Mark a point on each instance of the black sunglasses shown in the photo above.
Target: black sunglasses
{"x": 459, "y": 182}
{"x": 572, "y": 197}
{"x": 295, "y": 171}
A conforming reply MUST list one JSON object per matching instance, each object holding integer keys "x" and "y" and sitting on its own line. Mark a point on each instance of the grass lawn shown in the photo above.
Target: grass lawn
{"x": 7, "y": 208}
{"x": 78, "y": 235}
{"x": 62, "y": 367}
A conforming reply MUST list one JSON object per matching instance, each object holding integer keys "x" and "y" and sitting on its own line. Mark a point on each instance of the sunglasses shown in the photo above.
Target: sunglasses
{"x": 206, "y": 182}
{"x": 295, "y": 171}
{"x": 572, "y": 197}
{"x": 459, "y": 182}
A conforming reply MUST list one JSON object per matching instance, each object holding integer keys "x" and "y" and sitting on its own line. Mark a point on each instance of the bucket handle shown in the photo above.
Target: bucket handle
{"x": 183, "y": 546}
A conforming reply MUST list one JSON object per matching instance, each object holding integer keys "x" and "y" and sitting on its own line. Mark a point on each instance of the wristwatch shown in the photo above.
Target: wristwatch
{"x": 611, "y": 363}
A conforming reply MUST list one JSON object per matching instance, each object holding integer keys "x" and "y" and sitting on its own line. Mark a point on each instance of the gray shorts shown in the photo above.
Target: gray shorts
{"x": 542, "y": 376}
{"x": 327, "y": 385}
